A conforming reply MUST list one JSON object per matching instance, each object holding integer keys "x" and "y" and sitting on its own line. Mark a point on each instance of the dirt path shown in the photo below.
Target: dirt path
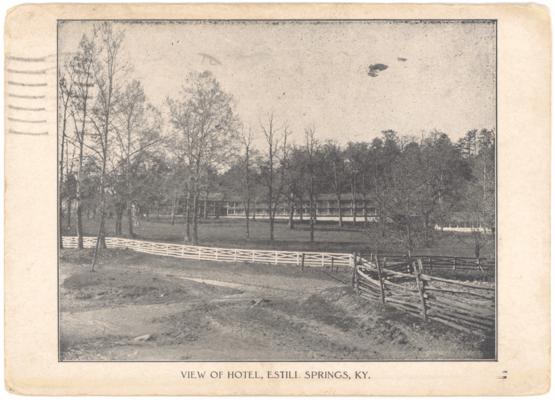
{"x": 147, "y": 308}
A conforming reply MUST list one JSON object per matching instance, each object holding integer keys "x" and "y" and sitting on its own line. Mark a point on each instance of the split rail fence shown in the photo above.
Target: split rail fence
{"x": 448, "y": 266}
{"x": 466, "y": 306}
{"x": 302, "y": 259}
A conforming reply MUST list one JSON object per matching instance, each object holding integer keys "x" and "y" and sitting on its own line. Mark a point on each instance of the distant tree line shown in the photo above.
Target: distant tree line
{"x": 120, "y": 154}
{"x": 415, "y": 183}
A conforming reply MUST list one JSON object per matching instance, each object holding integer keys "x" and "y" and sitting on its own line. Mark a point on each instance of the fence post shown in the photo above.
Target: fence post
{"x": 199, "y": 253}
{"x": 380, "y": 277}
{"x": 331, "y": 263}
{"x": 302, "y": 262}
{"x": 298, "y": 256}
{"x": 417, "y": 267}
{"x": 235, "y": 255}
{"x": 479, "y": 265}
{"x": 323, "y": 262}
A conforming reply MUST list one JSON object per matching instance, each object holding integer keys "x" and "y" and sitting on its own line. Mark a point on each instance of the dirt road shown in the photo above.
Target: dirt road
{"x": 140, "y": 307}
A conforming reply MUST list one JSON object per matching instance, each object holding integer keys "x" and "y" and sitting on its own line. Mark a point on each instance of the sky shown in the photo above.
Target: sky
{"x": 439, "y": 76}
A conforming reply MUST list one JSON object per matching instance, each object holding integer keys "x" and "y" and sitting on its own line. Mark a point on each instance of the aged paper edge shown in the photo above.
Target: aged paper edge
{"x": 524, "y": 59}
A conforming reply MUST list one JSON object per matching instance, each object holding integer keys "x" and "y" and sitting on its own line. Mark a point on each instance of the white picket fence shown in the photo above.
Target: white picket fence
{"x": 307, "y": 259}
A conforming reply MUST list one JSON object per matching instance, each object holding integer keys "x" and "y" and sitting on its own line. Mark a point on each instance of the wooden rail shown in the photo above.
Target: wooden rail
{"x": 302, "y": 259}
{"x": 446, "y": 266}
{"x": 468, "y": 307}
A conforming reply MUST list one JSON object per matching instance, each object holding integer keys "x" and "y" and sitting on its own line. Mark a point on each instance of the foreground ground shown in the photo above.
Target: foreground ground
{"x": 328, "y": 236}
{"x": 141, "y": 307}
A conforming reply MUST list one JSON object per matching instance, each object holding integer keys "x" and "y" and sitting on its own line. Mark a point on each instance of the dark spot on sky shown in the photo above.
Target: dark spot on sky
{"x": 403, "y": 59}
{"x": 375, "y": 68}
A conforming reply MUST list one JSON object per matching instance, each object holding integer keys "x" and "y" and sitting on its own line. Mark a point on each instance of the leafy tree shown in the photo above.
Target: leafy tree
{"x": 478, "y": 196}
{"x": 205, "y": 126}
{"x": 137, "y": 132}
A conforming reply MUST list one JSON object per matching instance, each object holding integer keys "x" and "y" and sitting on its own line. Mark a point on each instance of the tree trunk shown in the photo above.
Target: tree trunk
{"x": 312, "y": 216}
{"x": 427, "y": 229}
{"x": 247, "y": 187}
{"x": 247, "y": 216}
{"x": 130, "y": 219}
{"x": 60, "y": 185}
{"x": 409, "y": 241}
{"x": 365, "y": 208}
{"x": 174, "y": 206}
{"x": 271, "y": 216}
{"x": 477, "y": 246}
{"x": 340, "y": 209}
{"x": 382, "y": 220}
{"x": 80, "y": 177}
{"x": 68, "y": 221}
{"x": 188, "y": 217}
{"x": 119, "y": 219}
{"x": 270, "y": 207}
{"x": 195, "y": 218}
{"x": 353, "y": 201}
{"x": 100, "y": 242}
{"x": 291, "y": 212}
{"x": 78, "y": 197}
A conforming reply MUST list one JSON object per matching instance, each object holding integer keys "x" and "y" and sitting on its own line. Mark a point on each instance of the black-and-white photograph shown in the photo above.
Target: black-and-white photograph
{"x": 277, "y": 190}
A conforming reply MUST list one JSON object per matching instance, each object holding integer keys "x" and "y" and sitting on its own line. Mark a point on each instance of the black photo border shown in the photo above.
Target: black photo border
{"x": 281, "y": 21}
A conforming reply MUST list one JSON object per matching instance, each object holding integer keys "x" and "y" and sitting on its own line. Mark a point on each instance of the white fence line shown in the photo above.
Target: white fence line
{"x": 307, "y": 258}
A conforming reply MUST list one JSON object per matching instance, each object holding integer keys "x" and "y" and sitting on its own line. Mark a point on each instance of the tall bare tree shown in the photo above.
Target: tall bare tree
{"x": 247, "y": 138}
{"x": 64, "y": 92}
{"x": 311, "y": 151}
{"x": 106, "y": 71}
{"x": 273, "y": 171}
{"x": 81, "y": 73}
{"x": 132, "y": 108}
{"x": 204, "y": 121}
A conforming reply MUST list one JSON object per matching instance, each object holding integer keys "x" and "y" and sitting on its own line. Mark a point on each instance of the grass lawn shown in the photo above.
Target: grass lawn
{"x": 139, "y": 307}
{"x": 328, "y": 236}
